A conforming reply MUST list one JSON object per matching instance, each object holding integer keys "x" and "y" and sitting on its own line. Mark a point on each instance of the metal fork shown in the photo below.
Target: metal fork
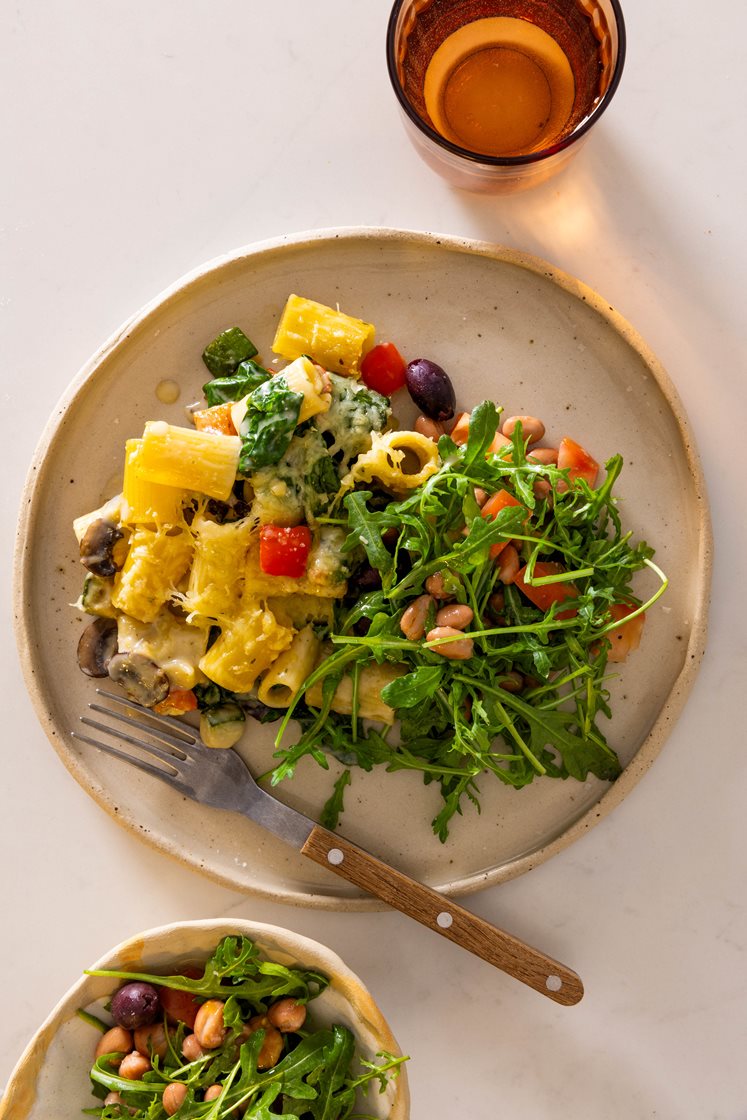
{"x": 220, "y": 778}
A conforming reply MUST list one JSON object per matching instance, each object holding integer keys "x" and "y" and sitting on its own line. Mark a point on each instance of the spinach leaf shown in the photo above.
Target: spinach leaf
{"x": 223, "y": 354}
{"x": 268, "y": 426}
{"x": 323, "y": 477}
{"x": 247, "y": 377}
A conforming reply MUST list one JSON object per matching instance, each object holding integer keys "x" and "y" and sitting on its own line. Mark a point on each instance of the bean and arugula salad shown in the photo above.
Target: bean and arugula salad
{"x": 230, "y": 1038}
{"x": 449, "y": 600}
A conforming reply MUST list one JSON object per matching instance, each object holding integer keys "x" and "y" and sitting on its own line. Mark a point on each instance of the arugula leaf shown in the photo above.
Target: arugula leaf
{"x": 483, "y": 425}
{"x": 414, "y": 687}
{"x": 247, "y": 377}
{"x": 367, "y": 532}
{"x": 268, "y": 426}
{"x": 333, "y": 807}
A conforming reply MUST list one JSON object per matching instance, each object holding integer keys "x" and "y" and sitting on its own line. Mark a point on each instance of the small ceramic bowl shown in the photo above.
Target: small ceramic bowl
{"x": 51, "y": 1078}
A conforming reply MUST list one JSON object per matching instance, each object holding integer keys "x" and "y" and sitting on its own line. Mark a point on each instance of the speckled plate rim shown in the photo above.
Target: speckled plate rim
{"x": 19, "y": 1095}
{"x": 670, "y": 710}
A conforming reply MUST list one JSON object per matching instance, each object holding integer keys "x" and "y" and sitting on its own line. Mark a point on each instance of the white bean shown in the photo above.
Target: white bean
{"x": 431, "y": 429}
{"x": 460, "y": 649}
{"x": 532, "y": 429}
{"x": 456, "y": 615}
{"x": 412, "y": 623}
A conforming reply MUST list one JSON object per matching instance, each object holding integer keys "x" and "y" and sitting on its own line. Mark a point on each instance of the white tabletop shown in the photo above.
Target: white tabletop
{"x": 142, "y": 139}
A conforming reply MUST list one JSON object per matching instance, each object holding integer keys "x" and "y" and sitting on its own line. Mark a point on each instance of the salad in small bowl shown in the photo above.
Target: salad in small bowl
{"x": 212, "y": 1019}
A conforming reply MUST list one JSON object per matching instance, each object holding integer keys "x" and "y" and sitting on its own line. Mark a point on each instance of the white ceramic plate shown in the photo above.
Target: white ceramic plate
{"x": 51, "y": 1077}
{"x": 505, "y": 326}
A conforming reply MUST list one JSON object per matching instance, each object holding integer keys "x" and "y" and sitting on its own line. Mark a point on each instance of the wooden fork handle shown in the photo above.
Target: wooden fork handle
{"x": 440, "y": 914}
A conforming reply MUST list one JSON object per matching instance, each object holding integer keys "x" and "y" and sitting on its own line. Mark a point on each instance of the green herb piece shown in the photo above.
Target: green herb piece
{"x": 268, "y": 426}
{"x": 224, "y": 713}
{"x": 323, "y": 477}
{"x": 247, "y": 377}
{"x": 414, "y": 687}
{"x": 334, "y": 807}
{"x": 92, "y": 1020}
{"x": 223, "y": 355}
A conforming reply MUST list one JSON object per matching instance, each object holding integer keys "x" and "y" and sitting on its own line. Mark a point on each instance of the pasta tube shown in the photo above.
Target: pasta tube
{"x": 284, "y": 678}
{"x": 146, "y": 502}
{"x": 399, "y": 460}
{"x": 191, "y": 460}
{"x": 156, "y": 562}
{"x": 216, "y": 578}
{"x": 370, "y": 683}
{"x": 246, "y": 647}
{"x": 334, "y": 340}
{"x": 299, "y": 610}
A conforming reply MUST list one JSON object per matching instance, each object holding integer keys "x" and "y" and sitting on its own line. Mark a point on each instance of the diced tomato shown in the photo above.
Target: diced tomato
{"x": 499, "y": 441}
{"x": 460, "y": 431}
{"x": 579, "y": 463}
{"x": 178, "y": 701}
{"x": 383, "y": 369}
{"x": 284, "y": 551}
{"x": 547, "y": 594}
{"x": 498, "y": 501}
{"x": 216, "y": 419}
{"x": 180, "y": 1007}
{"x": 625, "y": 638}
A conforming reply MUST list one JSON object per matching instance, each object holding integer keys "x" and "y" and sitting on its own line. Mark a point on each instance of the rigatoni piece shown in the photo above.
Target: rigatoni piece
{"x": 302, "y": 376}
{"x": 202, "y": 461}
{"x": 144, "y": 502}
{"x": 247, "y": 646}
{"x": 156, "y": 561}
{"x": 284, "y": 678}
{"x": 371, "y": 680}
{"x": 334, "y": 340}
{"x": 387, "y": 460}
{"x": 216, "y": 578}
{"x": 300, "y": 609}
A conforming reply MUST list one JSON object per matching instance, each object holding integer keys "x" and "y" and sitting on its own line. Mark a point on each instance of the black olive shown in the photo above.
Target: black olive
{"x": 135, "y": 1005}
{"x": 431, "y": 389}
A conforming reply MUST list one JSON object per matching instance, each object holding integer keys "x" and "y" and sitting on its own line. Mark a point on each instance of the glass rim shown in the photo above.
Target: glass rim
{"x": 506, "y": 161}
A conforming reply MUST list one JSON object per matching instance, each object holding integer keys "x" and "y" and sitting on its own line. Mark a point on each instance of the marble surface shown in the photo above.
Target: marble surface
{"x": 140, "y": 140}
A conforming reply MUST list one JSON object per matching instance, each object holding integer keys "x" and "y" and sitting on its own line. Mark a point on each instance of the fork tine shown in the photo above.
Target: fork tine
{"x": 170, "y": 779}
{"x": 167, "y": 722}
{"x": 149, "y": 748}
{"x": 172, "y": 740}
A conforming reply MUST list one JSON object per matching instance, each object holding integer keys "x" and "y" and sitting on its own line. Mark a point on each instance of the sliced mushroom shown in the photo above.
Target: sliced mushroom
{"x": 97, "y": 646}
{"x": 98, "y": 550}
{"x": 144, "y": 682}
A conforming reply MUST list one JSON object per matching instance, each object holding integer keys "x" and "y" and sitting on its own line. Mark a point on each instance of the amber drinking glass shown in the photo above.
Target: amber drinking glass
{"x": 497, "y": 95}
